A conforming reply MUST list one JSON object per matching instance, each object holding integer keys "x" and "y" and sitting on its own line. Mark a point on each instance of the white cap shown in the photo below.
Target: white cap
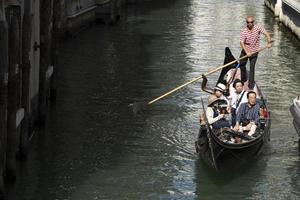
{"x": 221, "y": 87}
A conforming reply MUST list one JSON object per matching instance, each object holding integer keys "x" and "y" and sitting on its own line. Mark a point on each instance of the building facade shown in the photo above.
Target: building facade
{"x": 30, "y": 34}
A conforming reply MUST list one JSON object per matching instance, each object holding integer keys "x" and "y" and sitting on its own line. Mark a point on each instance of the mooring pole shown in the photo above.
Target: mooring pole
{"x": 56, "y": 37}
{"x": 113, "y": 12}
{"x": 26, "y": 66}
{"x": 3, "y": 92}
{"x": 45, "y": 52}
{"x": 13, "y": 76}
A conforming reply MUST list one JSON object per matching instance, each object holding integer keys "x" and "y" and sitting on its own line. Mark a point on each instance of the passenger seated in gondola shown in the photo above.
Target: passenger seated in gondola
{"x": 247, "y": 118}
{"x": 219, "y": 90}
{"x": 236, "y": 98}
{"x": 216, "y": 112}
{"x": 231, "y": 76}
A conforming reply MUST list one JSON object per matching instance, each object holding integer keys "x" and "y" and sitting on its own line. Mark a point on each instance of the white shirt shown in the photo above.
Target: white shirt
{"x": 235, "y": 98}
{"x": 210, "y": 115}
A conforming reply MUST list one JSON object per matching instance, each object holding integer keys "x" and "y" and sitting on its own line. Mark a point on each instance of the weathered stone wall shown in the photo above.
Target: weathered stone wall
{"x": 288, "y": 12}
{"x": 35, "y": 28}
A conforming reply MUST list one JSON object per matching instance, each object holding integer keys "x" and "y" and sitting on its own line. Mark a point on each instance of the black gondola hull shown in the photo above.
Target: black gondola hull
{"x": 222, "y": 156}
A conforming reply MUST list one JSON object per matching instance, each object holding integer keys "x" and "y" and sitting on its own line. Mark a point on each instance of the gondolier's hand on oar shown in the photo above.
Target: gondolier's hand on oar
{"x": 248, "y": 53}
{"x": 269, "y": 44}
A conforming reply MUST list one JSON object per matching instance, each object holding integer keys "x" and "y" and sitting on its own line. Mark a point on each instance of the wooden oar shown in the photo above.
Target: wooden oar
{"x": 139, "y": 105}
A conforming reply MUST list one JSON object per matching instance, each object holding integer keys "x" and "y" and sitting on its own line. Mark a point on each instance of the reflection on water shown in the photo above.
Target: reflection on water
{"x": 236, "y": 184}
{"x": 95, "y": 148}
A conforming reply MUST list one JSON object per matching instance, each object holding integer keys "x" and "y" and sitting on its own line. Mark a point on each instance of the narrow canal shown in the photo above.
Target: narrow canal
{"x": 95, "y": 148}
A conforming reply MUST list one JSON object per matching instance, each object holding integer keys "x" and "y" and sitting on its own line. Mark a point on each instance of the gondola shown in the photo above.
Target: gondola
{"x": 295, "y": 110}
{"x": 221, "y": 154}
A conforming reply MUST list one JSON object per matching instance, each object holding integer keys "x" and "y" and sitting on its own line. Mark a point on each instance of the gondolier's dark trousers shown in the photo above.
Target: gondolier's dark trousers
{"x": 243, "y": 63}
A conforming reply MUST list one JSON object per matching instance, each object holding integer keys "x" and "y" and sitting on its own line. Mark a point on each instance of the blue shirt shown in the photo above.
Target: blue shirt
{"x": 246, "y": 112}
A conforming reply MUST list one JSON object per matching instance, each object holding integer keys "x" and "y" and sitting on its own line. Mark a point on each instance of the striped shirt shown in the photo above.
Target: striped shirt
{"x": 251, "y": 37}
{"x": 245, "y": 112}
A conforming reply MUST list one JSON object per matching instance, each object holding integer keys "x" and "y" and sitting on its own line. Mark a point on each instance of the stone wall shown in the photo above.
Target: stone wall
{"x": 288, "y": 12}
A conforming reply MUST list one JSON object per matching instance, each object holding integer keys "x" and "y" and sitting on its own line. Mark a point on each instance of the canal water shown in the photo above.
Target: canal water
{"x": 94, "y": 147}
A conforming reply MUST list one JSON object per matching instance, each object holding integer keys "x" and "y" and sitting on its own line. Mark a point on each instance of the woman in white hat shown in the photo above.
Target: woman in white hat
{"x": 219, "y": 91}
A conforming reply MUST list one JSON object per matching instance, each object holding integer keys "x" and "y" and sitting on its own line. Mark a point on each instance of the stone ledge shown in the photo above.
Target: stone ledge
{"x": 80, "y": 19}
{"x": 293, "y": 4}
{"x": 84, "y": 11}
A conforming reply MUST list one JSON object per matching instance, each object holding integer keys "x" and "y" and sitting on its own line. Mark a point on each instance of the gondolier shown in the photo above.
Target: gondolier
{"x": 249, "y": 40}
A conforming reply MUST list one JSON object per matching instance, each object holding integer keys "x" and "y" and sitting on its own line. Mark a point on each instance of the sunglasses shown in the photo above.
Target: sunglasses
{"x": 251, "y": 22}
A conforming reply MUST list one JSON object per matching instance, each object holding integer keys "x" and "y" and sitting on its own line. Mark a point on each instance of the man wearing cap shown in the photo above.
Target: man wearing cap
{"x": 214, "y": 117}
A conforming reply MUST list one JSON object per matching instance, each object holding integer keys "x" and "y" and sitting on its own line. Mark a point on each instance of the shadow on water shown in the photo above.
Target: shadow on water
{"x": 294, "y": 172}
{"x": 226, "y": 176}
{"x": 223, "y": 185}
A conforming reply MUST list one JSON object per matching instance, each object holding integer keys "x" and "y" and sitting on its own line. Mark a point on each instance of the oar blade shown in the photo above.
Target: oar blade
{"x": 137, "y": 107}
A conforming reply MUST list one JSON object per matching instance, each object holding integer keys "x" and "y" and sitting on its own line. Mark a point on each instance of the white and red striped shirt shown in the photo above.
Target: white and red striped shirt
{"x": 251, "y": 37}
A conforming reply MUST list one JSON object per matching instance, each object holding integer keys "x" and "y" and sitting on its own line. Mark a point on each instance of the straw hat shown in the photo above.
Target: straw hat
{"x": 211, "y": 99}
{"x": 221, "y": 87}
